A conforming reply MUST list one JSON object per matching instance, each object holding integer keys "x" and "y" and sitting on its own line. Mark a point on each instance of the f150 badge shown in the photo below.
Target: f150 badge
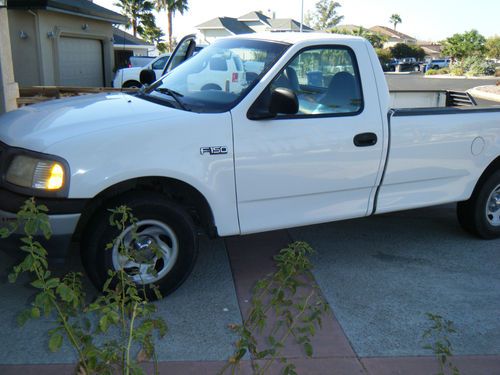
{"x": 213, "y": 150}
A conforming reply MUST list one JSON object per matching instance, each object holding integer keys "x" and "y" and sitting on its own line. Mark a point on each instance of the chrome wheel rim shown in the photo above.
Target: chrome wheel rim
{"x": 156, "y": 248}
{"x": 493, "y": 207}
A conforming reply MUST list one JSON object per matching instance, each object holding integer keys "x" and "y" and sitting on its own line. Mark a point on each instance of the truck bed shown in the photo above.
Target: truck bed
{"x": 430, "y": 99}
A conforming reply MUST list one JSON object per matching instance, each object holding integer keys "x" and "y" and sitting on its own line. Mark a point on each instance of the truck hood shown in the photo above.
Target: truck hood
{"x": 37, "y": 127}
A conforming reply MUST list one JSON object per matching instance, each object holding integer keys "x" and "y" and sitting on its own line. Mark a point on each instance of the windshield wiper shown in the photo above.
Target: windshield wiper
{"x": 174, "y": 94}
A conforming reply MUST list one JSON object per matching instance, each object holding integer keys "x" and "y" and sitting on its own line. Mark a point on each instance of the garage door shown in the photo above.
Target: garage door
{"x": 80, "y": 62}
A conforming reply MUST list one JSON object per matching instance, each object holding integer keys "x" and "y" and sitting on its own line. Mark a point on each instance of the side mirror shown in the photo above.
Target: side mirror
{"x": 280, "y": 100}
{"x": 147, "y": 76}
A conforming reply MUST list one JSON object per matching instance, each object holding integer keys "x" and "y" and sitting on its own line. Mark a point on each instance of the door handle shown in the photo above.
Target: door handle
{"x": 365, "y": 139}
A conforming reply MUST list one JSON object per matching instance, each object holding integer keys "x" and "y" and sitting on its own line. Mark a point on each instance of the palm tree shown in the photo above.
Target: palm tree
{"x": 171, "y": 6}
{"x": 395, "y": 19}
{"x": 135, "y": 11}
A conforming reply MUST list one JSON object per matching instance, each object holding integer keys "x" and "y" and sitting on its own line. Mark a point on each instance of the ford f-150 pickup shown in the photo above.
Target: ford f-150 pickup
{"x": 313, "y": 136}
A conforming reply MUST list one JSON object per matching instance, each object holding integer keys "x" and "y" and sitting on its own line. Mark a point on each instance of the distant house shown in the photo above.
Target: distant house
{"x": 393, "y": 37}
{"x": 126, "y": 45}
{"x": 62, "y": 42}
{"x": 348, "y": 28}
{"x": 432, "y": 50}
{"x": 246, "y": 24}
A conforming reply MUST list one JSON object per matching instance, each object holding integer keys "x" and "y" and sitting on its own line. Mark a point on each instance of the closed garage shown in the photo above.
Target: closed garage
{"x": 80, "y": 62}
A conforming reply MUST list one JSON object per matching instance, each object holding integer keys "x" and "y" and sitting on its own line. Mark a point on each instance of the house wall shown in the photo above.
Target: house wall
{"x": 8, "y": 87}
{"x": 210, "y": 35}
{"x": 393, "y": 41}
{"x": 257, "y": 26}
{"x": 25, "y": 53}
{"x": 36, "y": 58}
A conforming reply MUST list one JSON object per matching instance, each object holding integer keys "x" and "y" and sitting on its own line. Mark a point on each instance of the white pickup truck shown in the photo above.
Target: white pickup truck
{"x": 312, "y": 138}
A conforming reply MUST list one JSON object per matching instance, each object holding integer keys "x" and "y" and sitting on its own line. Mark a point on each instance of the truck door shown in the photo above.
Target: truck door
{"x": 322, "y": 163}
{"x": 182, "y": 52}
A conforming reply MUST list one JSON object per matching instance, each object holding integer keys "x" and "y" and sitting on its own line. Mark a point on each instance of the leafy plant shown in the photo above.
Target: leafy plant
{"x": 402, "y": 50}
{"x": 460, "y": 46}
{"x": 395, "y": 19}
{"x": 325, "y": 16}
{"x": 482, "y": 68}
{"x": 122, "y": 312}
{"x": 492, "y": 46}
{"x": 296, "y": 314}
{"x": 457, "y": 71}
{"x": 475, "y": 66}
{"x": 440, "y": 344}
{"x": 384, "y": 55}
{"x": 136, "y": 12}
{"x": 377, "y": 40}
{"x": 433, "y": 72}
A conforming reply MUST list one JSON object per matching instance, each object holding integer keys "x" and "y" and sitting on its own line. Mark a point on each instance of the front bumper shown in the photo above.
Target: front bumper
{"x": 64, "y": 215}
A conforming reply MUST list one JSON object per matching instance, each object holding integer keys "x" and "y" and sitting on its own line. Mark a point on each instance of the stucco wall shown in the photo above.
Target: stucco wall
{"x": 24, "y": 51}
{"x": 8, "y": 87}
{"x": 257, "y": 26}
{"x": 36, "y": 60}
{"x": 211, "y": 35}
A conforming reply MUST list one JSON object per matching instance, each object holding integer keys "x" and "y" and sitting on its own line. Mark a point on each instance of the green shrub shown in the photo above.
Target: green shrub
{"x": 476, "y": 66}
{"x": 384, "y": 55}
{"x": 110, "y": 335}
{"x": 457, "y": 71}
{"x": 481, "y": 68}
{"x": 433, "y": 72}
{"x": 466, "y": 64}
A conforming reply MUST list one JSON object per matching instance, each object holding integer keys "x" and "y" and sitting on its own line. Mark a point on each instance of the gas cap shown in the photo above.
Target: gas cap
{"x": 477, "y": 146}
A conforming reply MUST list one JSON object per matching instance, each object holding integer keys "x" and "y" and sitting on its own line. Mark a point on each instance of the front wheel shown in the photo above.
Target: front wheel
{"x": 163, "y": 241}
{"x": 480, "y": 215}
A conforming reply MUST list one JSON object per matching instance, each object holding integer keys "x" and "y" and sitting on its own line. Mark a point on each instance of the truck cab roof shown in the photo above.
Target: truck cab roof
{"x": 295, "y": 38}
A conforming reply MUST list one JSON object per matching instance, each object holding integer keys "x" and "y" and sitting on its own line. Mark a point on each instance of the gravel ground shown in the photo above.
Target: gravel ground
{"x": 490, "y": 89}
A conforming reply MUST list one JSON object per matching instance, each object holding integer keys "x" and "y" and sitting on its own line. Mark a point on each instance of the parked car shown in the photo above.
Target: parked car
{"x": 280, "y": 152}
{"x": 407, "y": 64}
{"x": 140, "y": 61}
{"x": 221, "y": 72}
{"x": 390, "y": 66}
{"x": 130, "y": 77}
{"x": 438, "y": 64}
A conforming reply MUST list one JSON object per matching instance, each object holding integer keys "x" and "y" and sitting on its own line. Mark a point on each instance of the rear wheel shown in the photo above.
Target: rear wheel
{"x": 164, "y": 240}
{"x": 480, "y": 215}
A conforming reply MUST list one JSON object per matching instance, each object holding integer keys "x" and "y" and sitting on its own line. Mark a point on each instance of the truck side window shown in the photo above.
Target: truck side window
{"x": 160, "y": 63}
{"x": 325, "y": 79}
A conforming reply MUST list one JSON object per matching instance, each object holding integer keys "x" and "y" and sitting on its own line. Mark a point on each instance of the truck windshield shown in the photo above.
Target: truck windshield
{"x": 219, "y": 76}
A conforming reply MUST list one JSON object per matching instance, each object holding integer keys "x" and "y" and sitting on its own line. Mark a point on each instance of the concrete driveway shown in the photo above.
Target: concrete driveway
{"x": 380, "y": 276}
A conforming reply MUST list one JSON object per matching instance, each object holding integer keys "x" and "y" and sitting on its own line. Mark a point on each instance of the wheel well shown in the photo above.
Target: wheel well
{"x": 211, "y": 86}
{"x": 492, "y": 168}
{"x": 178, "y": 191}
{"x": 131, "y": 82}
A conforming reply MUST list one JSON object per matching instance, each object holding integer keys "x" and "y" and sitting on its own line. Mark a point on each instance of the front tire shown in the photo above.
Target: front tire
{"x": 165, "y": 239}
{"x": 480, "y": 215}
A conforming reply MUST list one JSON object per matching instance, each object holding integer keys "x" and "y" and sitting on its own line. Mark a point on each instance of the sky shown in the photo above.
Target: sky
{"x": 424, "y": 20}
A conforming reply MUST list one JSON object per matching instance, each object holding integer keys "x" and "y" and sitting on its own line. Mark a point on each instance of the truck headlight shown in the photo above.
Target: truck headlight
{"x": 40, "y": 174}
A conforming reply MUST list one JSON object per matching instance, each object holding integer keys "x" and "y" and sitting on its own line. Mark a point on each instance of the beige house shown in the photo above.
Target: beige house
{"x": 432, "y": 50}
{"x": 252, "y": 22}
{"x": 393, "y": 37}
{"x": 62, "y": 42}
